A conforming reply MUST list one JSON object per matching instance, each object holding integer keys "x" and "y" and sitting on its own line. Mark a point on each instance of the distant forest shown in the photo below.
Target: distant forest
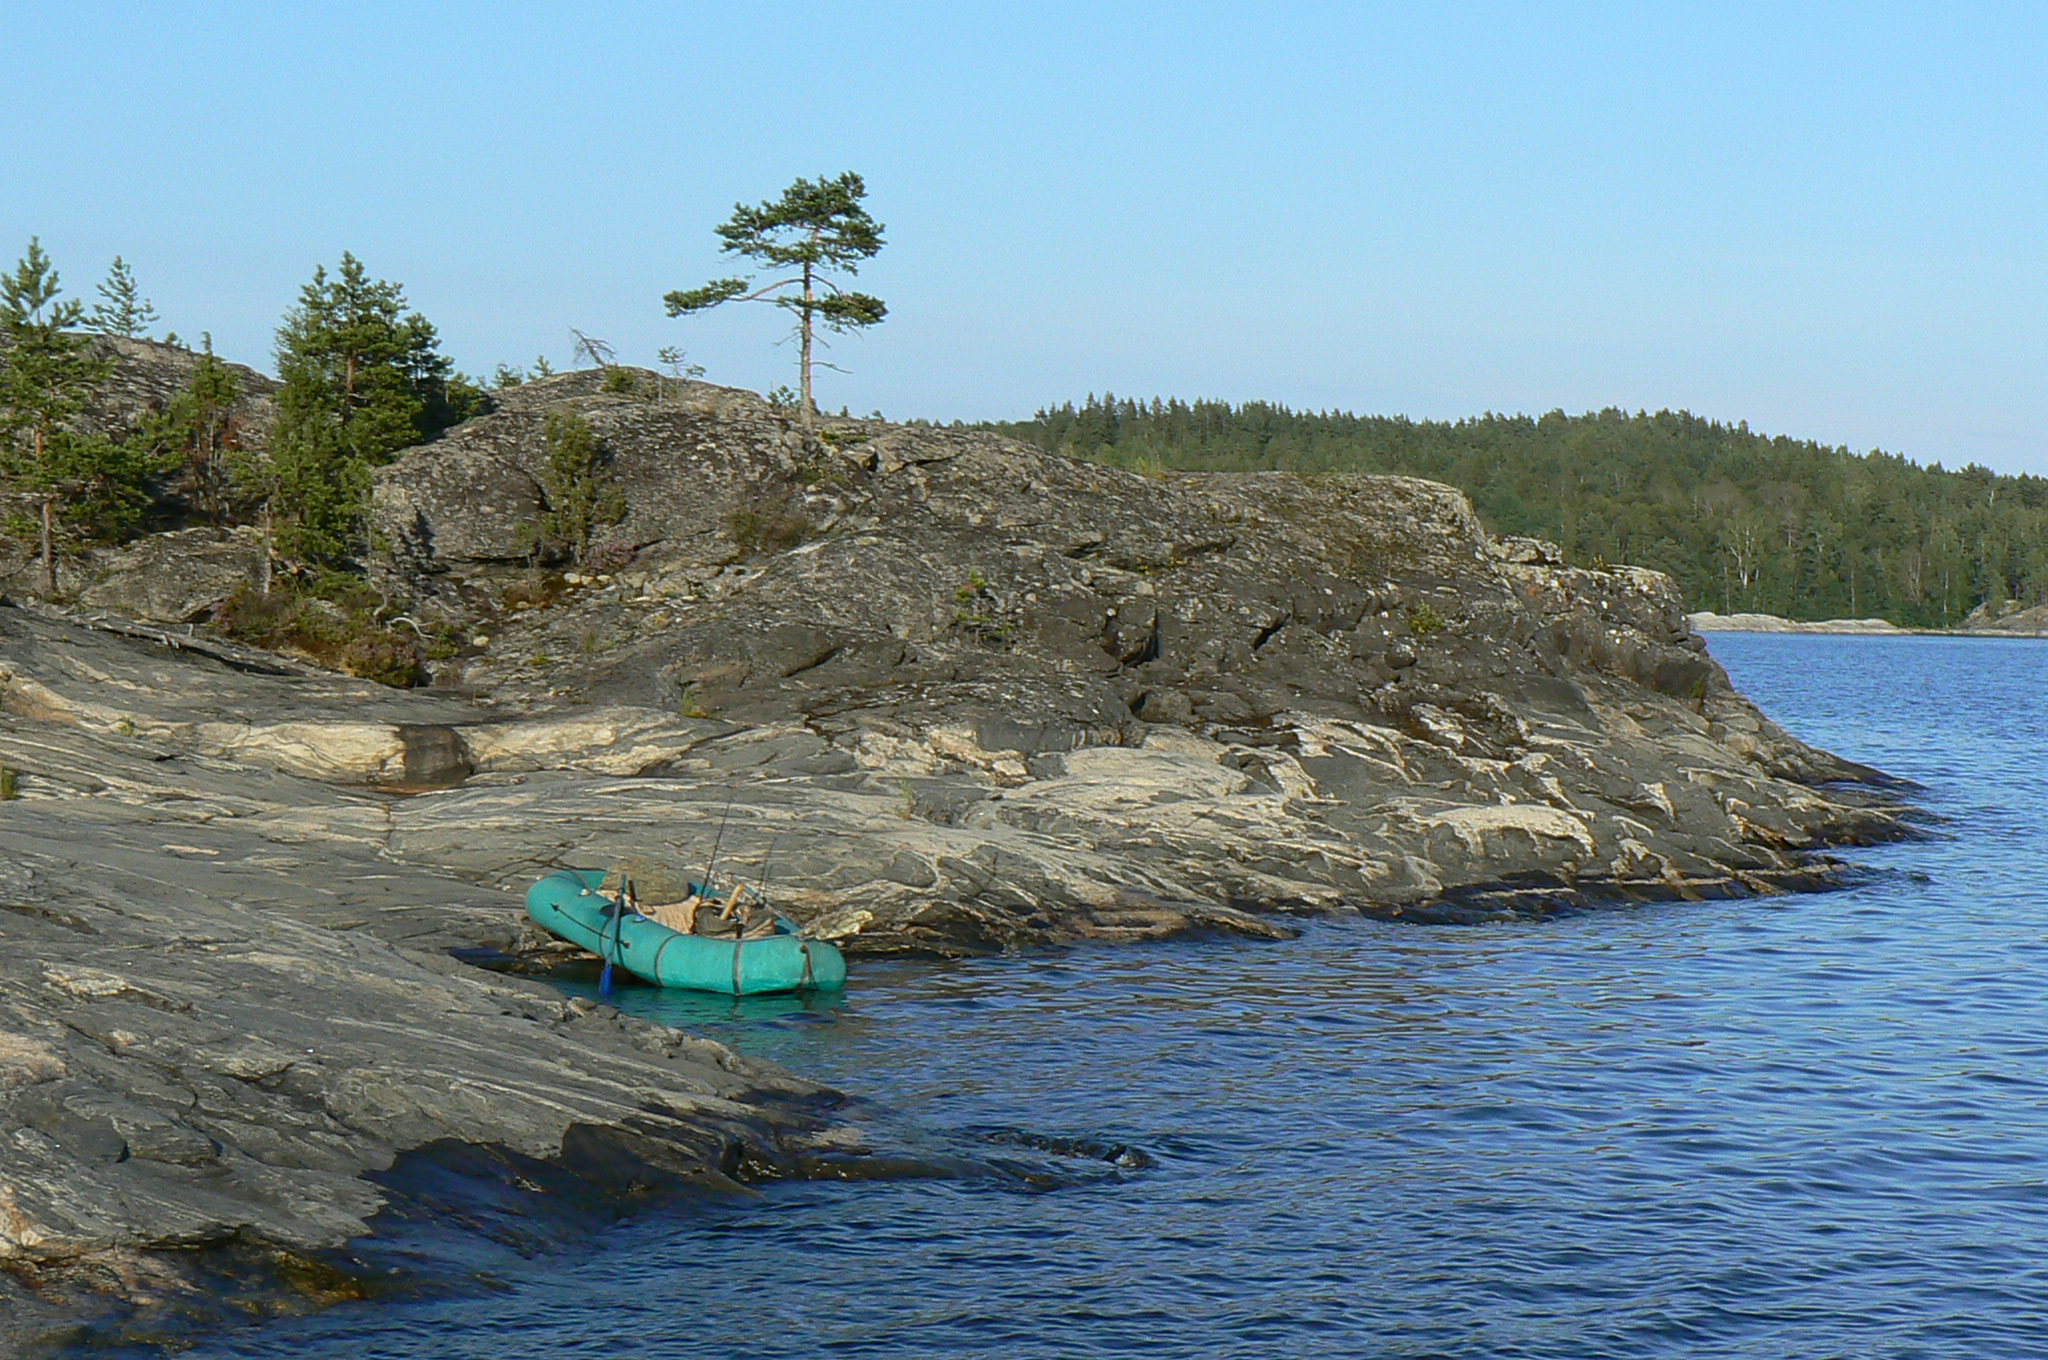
{"x": 1744, "y": 521}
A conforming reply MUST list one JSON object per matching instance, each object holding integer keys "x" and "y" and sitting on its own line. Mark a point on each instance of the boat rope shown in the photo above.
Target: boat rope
{"x": 804, "y": 947}
{"x": 604, "y": 979}
{"x": 737, "y": 945}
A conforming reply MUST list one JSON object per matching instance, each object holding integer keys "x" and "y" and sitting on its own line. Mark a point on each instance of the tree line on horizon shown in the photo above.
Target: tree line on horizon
{"x": 1743, "y": 521}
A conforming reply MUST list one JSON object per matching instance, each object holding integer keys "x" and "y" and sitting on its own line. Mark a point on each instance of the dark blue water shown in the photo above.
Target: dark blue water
{"x": 1806, "y": 1126}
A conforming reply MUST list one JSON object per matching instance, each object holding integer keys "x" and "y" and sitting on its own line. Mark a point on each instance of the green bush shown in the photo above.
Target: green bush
{"x": 1424, "y": 620}
{"x": 333, "y": 622}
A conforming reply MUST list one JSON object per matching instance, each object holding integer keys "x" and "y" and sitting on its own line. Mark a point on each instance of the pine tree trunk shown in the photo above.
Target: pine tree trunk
{"x": 49, "y": 545}
{"x": 49, "y": 524}
{"x": 804, "y": 379}
{"x": 263, "y": 570}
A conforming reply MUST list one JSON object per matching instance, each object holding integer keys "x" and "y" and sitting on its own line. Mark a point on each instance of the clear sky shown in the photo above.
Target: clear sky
{"x": 1826, "y": 219}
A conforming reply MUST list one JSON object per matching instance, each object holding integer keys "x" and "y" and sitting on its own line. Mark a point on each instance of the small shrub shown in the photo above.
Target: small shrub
{"x": 384, "y": 657}
{"x": 1424, "y": 620}
{"x": 334, "y": 621}
{"x": 620, "y": 380}
{"x": 760, "y": 527}
{"x": 580, "y": 491}
{"x": 10, "y": 783}
{"x": 975, "y": 612}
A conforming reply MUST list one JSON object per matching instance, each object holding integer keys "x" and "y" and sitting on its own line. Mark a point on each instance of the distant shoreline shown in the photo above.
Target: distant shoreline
{"x": 2027, "y": 625}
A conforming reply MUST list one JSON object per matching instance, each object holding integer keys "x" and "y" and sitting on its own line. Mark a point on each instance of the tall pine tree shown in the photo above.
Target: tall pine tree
{"x": 818, "y": 228}
{"x": 363, "y": 379}
{"x": 46, "y": 374}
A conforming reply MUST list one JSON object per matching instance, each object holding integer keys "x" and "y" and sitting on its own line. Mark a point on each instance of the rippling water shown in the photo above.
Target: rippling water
{"x": 1807, "y": 1126}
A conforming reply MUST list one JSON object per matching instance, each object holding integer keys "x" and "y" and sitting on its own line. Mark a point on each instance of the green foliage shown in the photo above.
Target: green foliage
{"x": 332, "y": 620}
{"x": 10, "y": 784}
{"x": 976, "y": 614}
{"x": 122, "y": 310}
{"x": 77, "y": 483}
{"x": 1744, "y": 521}
{"x": 1424, "y": 620}
{"x": 817, "y": 229}
{"x": 196, "y": 440}
{"x": 363, "y": 379}
{"x": 675, "y": 361}
{"x": 579, "y": 491}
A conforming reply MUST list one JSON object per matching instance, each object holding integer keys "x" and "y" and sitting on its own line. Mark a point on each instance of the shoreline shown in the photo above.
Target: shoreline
{"x": 1707, "y": 621}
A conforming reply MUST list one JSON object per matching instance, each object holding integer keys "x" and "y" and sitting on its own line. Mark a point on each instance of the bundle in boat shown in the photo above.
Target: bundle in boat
{"x": 697, "y": 939}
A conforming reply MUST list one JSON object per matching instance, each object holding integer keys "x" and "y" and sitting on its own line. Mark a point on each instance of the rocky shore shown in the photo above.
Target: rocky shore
{"x": 1983, "y": 621}
{"x": 1706, "y": 621}
{"x": 960, "y": 695}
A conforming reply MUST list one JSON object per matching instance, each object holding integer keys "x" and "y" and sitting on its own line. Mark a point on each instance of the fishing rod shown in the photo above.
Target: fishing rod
{"x": 711, "y": 869}
{"x": 766, "y": 860}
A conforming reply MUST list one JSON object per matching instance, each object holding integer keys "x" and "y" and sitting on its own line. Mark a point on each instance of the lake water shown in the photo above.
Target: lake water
{"x": 1804, "y": 1126}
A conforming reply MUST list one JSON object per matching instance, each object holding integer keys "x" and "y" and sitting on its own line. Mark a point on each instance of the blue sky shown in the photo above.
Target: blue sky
{"x": 1827, "y": 220}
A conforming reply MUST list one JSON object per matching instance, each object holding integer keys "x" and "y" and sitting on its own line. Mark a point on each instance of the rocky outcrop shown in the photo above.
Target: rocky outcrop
{"x": 1082, "y": 688}
{"x": 147, "y": 374}
{"x": 176, "y": 577}
{"x": 958, "y": 695}
{"x": 2008, "y": 619}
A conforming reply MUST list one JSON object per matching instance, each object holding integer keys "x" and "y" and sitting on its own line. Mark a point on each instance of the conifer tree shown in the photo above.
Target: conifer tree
{"x": 818, "y": 228}
{"x": 195, "y": 437}
{"x": 45, "y": 376}
{"x": 363, "y": 379}
{"x": 579, "y": 489}
{"x": 122, "y": 310}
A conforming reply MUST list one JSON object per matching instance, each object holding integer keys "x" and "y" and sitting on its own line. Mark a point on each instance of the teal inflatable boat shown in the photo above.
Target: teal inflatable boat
{"x": 567, "y": 903}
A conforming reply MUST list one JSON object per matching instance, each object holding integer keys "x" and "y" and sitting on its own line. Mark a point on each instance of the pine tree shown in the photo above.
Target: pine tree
{"x": 122, "y": 310}
{"x": 195, "y": 437}
{"x": 816, "y": 228}
{"x": 579, "y": 489}
{"x": 363, "y": 379}
{"x": 45, "y": 377}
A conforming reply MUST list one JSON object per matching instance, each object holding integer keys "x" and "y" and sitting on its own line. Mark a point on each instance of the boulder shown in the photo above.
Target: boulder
{"x": 178, "y": 577}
